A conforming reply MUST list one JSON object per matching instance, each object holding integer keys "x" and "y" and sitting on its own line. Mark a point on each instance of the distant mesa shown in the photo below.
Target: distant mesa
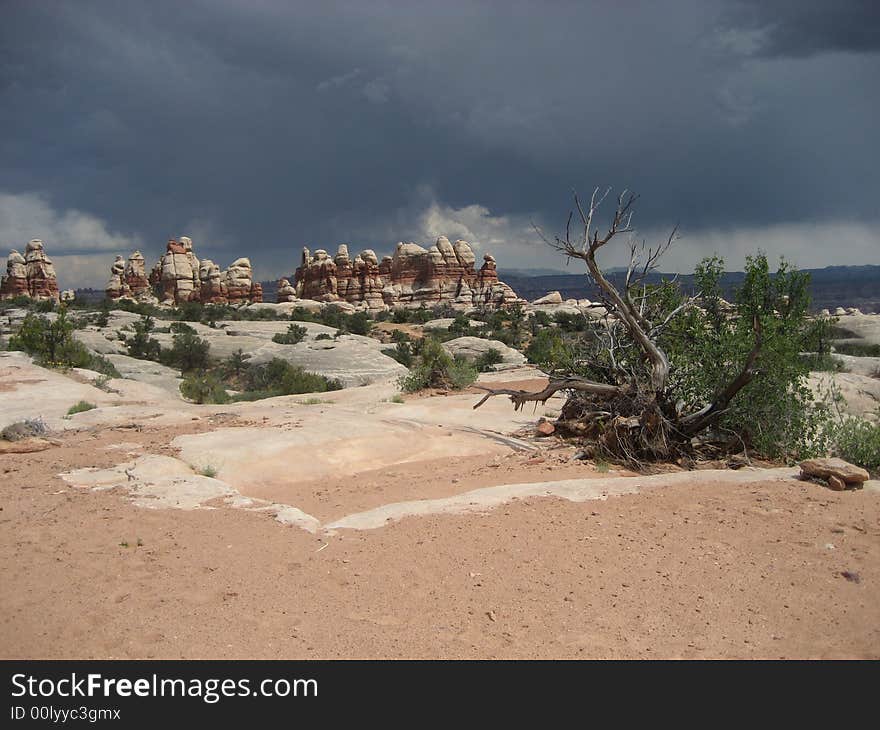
{"x": 413, "y": 277}
{"x": 31, "y": 275}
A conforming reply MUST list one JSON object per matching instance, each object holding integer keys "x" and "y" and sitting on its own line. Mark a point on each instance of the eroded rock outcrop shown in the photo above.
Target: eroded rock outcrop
{"x": 30, "y": 275}
{"x": 129, "y": 280}
{"x": 414, "y": 276}
{"x": 180, "y": 277}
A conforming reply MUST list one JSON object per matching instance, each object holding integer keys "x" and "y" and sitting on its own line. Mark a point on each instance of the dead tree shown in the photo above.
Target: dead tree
{"x": 630, "y": 414}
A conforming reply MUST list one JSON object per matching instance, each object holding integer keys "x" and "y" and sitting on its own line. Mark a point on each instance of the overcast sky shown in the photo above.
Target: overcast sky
{"x": 259, "y": 126}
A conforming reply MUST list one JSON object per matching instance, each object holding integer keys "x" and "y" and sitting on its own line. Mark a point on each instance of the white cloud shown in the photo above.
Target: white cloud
{"x": 79, "y": 243}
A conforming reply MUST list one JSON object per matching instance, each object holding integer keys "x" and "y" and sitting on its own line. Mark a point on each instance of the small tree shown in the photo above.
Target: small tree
{"x": 663, "y": 372}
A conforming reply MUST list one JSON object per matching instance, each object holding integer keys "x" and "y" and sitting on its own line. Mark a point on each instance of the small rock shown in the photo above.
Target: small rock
{"x": 851, "y": 576}
{"x": 491, "y": 615}
{"x": 545, "y": 428}
{"x": 825, "y": 468}
{"x": 836, "y": 483}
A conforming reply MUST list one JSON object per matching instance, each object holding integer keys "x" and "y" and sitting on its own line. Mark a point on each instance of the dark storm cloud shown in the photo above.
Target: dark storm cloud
{"x": 259, "y": 127}
{"x": 800, "y": 28}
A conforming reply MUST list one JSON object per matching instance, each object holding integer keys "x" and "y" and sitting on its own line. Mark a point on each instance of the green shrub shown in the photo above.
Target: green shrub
{"x": 181, "y": 328}
{"x": 437, "y": 369}
{"x": 188, "y": 352}
{"x": 402, "y": 352}
{"x": 858, "y": 441}
{"x": 203, "y": 388}
{"x": 488, "y": 359}
{"x": 52, "y": 345}
{"x": 547, "y": 349}
{"x": 279, "y": 377}
{"x": 140, "y": 344}
{"x": 295, "y": 333}
{"x": 80, "y": 407}
{"x": 323, "y": 336}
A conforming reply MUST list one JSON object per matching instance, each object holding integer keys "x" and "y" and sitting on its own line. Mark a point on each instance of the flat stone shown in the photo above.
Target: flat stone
{"x": 834, "y": 467}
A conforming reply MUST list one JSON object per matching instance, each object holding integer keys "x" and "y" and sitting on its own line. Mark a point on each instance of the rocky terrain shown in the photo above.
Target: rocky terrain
{"x": 361, "y": 522}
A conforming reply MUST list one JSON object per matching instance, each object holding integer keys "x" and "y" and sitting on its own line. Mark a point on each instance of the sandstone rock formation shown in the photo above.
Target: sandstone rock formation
{"x": 839, "y": 474}
{"x": 412, "y": 277}
{"x": 180, "y": 277}
{"x": 14, "y": 283}
{"x": 30, "y": 275}
{"x": 553, "y": 297}
{"x": 285, "y": 292}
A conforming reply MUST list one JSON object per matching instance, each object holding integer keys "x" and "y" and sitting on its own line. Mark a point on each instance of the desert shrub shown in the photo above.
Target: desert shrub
{"x": 323, "y": 336}
{"x": 188, "y": 352}
{"x": 52, "y": 345}
{"x": 141, "y": 308}
{"x": 103, "y": 318}
{"x": 180, "y": 328}
{"x": 24, "y": 429}
{"x": 402, "y": 352}
{"x": 279, "y": 377}
{"x": 858, "y": 441}
{"x": 203, "y": 388}
{"x": 80, "y": 407}
{"x": 489, "y": 358}
{"x": 571, "y": 322}
{"x": 547, "y": 350}
{"x": 437, "y": 369}
{"x": 235, "y": 365}
{"x": 140, "y": 344}
{"x": 295, "y": 333}
{"x": 190, "y": 311}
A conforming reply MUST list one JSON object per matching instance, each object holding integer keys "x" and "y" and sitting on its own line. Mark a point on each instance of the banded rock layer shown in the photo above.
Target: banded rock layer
{"x": 31, "y": 275}
{"x": 412, "y": 277}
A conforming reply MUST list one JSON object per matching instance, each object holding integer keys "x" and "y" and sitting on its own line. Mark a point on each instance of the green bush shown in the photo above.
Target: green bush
{"x": 858, "y": 441}
{"x": 140, "y": 344}
{"x": 181, "y": 328}
{"x": 437, "y": 369}
{"x": 279, "y": 377}
{"x": 188, "y": 352}
{"x": 80, "y": 407}
{"x": 488, "y": 359}
{"x": 203, "y": 388}
{"x": 295, "y": 333}
{"x": 402, "y": 352}
{"x": 547, "y": 350}
{"x": 52, "y": 345}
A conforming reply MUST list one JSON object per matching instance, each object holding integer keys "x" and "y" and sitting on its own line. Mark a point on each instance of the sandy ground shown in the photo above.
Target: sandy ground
{"x": 752, "y": 570}
{"x": 765, "y": 567}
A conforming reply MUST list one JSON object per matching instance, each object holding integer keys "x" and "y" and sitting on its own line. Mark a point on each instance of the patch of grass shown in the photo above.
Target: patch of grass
{"x": 602, "y": 466}
{"x": 80, "y": 407}
{"x": 397, "y": 398}
{"x": 312, "y": 401}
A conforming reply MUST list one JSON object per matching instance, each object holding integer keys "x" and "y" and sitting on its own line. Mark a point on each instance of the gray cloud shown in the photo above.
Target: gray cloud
{"x": 260, "y": 127}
